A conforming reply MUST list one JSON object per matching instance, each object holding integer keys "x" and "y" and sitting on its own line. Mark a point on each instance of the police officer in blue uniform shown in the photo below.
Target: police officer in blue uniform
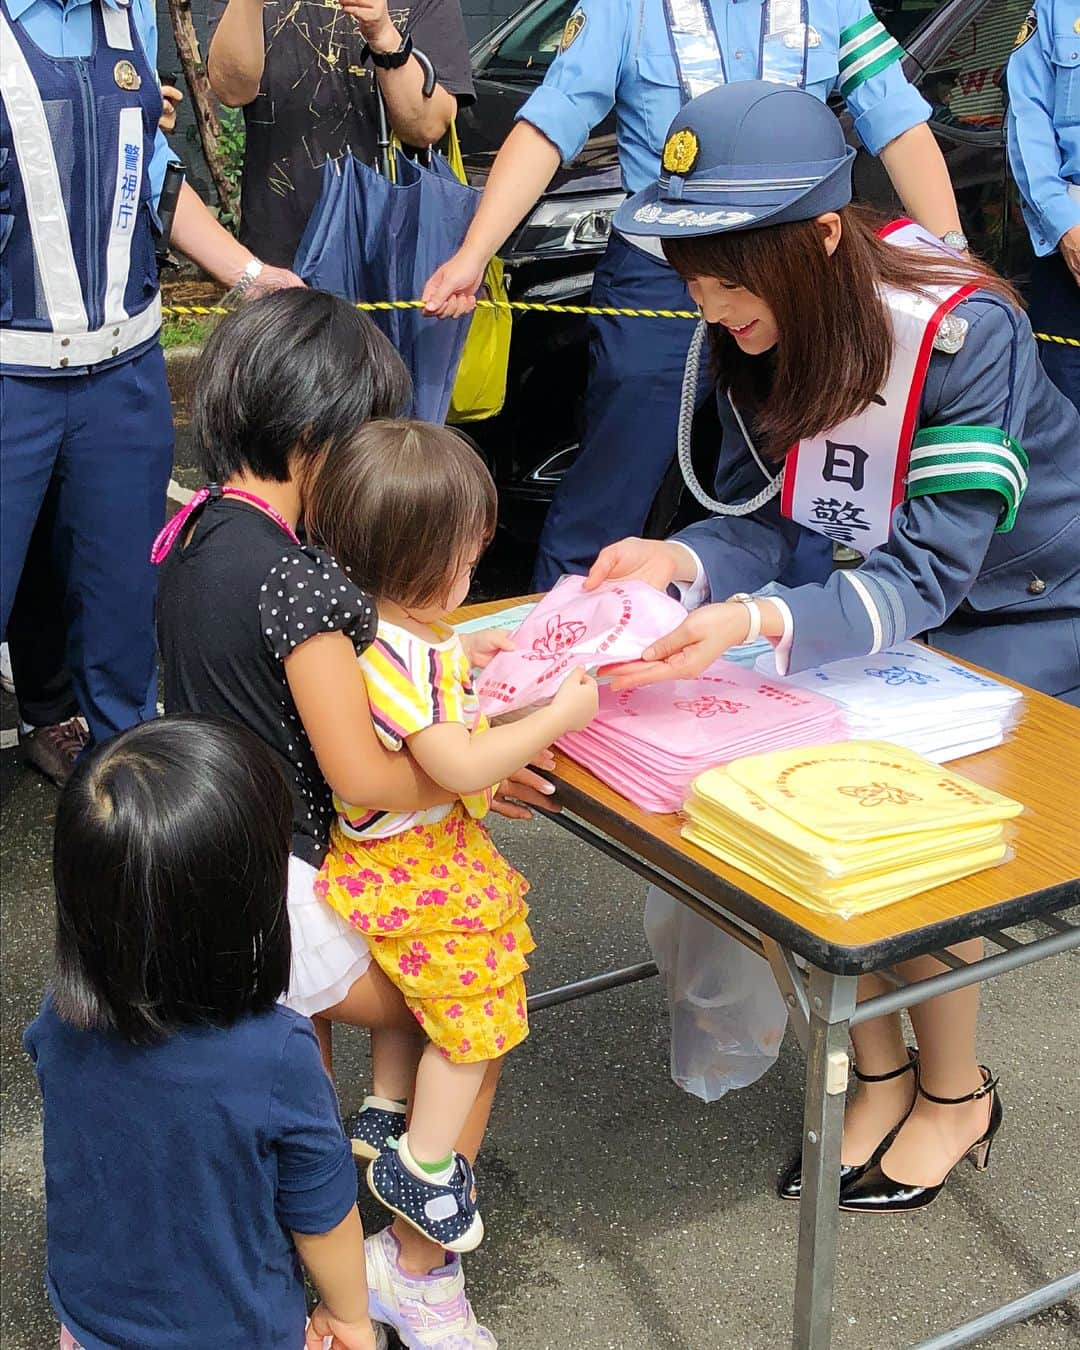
{"x": 971, "y": 508}
{"x": 87, "y": 443}
{"x": 1043, "y": 78}
{"x": 646, "y": 58}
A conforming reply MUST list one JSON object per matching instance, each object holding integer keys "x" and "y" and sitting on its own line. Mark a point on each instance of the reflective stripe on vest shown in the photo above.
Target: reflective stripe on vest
{"x": 699, "y": 62}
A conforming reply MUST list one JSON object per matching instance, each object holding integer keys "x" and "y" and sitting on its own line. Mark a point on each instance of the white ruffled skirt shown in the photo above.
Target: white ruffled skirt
{"x": 328, "y": 956}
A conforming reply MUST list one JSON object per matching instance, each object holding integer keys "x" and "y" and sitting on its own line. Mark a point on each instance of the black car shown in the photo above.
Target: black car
{"x": 957, "y": 50}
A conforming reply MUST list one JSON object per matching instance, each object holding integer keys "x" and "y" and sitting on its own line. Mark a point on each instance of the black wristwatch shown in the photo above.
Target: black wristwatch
{"x": 389, "y": 60}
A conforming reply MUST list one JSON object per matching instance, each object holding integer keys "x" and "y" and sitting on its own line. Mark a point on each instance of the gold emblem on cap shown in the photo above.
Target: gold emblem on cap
{"x": 681, "y": 151}
{"x": 126, "y": 76}
{"x": 574, "y": 25}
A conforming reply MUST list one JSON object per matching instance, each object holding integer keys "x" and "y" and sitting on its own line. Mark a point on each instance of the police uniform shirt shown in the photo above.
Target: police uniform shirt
{"x": 1044, "y": 120}
{"x": 67, "y": 30}
{"x": 946, "y": 570}
{"x": 618, "y": 53}
{"x": 316, "y": 102}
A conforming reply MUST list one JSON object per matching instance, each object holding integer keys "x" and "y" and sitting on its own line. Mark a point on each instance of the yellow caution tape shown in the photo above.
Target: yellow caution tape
{"x": 521, "y": 306}
{"x": 535, "y": 307}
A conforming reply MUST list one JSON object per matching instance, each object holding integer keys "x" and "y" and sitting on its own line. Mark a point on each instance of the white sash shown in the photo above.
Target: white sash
{"x": 846, "y": 483}
{"x": 699, "y": 62}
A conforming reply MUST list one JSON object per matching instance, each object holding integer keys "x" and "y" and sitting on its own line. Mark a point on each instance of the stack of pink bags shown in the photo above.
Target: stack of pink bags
{"x": 649, "y": 744}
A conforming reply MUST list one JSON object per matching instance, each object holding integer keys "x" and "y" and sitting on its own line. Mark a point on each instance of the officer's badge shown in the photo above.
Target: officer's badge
{"x": 681, "y": 152}
{"x": 575, "y": 25}
{"x": 126, "y": 76}
{"x": 1027, "y": 28}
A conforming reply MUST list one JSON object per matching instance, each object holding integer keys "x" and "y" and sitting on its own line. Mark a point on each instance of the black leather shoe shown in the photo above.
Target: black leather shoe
{"x": 789, "y": 1186}
{"x": 875, "y": 1192}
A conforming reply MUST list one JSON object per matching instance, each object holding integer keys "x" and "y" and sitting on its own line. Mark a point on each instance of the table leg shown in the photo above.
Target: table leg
{"x": 831, "y": 1003}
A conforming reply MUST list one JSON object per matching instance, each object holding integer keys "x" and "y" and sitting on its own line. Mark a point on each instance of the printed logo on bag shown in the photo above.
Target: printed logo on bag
{"x": 1028, "y": 27}
{"x": 575, "y": 25}
{"x": 895, "y": 675}
{"x": 880, "y": 794}
{"x": 708, "y": 706}
{"x": 681, "y": 151}
{"x": 558, "y": 637}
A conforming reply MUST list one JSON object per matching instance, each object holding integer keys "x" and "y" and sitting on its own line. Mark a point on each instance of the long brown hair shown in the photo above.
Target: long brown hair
{"x": 835, "y": 343}
{"x": 401, "y": 507}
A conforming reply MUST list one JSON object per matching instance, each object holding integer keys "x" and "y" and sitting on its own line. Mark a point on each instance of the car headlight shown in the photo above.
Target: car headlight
{"x": 569, "y": 223}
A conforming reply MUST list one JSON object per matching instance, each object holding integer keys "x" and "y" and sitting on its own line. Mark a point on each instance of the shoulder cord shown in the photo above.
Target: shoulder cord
{"x": 686, "y": 423}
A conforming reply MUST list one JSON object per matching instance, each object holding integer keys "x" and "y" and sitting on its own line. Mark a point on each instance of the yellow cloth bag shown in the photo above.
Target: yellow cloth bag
{"x": 479, "y": 390}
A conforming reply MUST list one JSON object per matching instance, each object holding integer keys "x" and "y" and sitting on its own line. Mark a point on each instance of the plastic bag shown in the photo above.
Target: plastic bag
{"x": 727, "y": 1015}
{"x": 480, "y": 387}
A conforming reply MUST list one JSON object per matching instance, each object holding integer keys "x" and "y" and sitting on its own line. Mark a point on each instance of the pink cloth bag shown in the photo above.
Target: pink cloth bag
{"x": 650, "y": 743}
{"x": 572, "y": 628}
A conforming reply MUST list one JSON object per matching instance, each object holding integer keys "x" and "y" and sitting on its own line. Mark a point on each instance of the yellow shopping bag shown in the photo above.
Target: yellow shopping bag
{"x": 480, "y": 387}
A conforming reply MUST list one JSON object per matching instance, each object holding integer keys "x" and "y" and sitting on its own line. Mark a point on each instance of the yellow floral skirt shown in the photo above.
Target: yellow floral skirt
{"x": 444, "y": 914}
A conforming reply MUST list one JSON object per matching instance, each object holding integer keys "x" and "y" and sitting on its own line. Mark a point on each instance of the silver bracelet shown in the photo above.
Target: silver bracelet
{"x": 248, "y": 276}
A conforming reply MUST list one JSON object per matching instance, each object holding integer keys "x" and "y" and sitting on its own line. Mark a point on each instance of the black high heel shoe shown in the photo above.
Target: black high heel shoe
{"x": 789, "y": 1187}
{"x": 875, "y": 1192}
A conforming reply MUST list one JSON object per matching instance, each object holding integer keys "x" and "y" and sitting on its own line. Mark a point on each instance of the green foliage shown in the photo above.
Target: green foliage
{"x": 180, "y": 331}
{"x": 231, "y": 149}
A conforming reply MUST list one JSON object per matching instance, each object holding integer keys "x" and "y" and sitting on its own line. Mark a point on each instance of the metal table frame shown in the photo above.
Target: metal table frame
{"x": 819, "y": 986}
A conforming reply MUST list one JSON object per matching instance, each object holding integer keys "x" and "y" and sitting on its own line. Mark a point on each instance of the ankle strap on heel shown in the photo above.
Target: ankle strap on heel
{"x": 989, "y": 1083}
{"x": 913, "y": 1063}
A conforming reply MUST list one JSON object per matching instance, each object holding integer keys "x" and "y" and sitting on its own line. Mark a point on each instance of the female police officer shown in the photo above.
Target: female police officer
{"x": 647, "y": 57}
{"x": 87, "y": 444}
{"x": 873, "y": 388}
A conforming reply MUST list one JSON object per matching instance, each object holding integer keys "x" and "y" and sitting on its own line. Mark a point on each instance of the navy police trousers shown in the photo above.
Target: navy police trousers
{"x": 631, "y": 414}
{"x": 1054, "y": 308}
{"x": 90, "y": 455}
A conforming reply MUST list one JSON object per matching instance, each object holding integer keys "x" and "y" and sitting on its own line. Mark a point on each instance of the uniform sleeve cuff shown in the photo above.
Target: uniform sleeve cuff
{"x": 782, "y": 649}
{"x": 697, "y": 592}
{"x": 899, "y": 112}
{"x": 555, "y": 116}
{"x": 1058, "y": 216}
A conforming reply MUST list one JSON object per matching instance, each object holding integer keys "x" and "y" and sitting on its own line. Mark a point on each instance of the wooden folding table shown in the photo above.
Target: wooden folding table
{"x": 816, "y": 958}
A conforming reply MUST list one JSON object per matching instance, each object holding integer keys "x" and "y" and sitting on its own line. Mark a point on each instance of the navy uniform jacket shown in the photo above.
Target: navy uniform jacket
{"x": 1008, "y": 601}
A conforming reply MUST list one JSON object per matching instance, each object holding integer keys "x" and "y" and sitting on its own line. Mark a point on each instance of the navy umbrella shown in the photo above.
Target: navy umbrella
{"x": 369, "y": 238}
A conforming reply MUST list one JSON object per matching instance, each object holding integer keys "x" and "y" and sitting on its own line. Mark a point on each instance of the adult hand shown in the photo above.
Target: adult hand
{"x": 1070, "y": 251}
{"x": 655, "y": 561}
{"x": 376, "y": 26}
{"x": 170, "y": 98}
{"x": 484, "y": 644}
{"x": 342, "y": 1335}
{"x": 450, "y": 292}
{"x": 516, "y": 794}
{"x": 272, "y": 279}
{"x": 684, "y": 654}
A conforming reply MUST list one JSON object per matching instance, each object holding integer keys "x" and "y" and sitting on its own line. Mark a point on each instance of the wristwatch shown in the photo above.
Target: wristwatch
{"x": 955, "y": 239}
{"x": 389, "y": 60}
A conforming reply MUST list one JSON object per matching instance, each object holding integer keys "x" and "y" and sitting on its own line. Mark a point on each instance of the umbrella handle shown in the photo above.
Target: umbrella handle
{"x": 382, "y": 142}
{"x": 428, "y": 69}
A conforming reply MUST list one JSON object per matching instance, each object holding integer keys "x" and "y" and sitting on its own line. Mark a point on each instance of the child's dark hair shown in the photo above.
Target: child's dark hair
{"x": 170, "y": 862}
{"x": 402, "y": 506}
{"x": 291, "y": 374}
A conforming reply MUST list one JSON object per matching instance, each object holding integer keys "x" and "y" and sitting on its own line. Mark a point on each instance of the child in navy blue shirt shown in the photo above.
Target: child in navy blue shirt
{"x": 194, "y": 1154}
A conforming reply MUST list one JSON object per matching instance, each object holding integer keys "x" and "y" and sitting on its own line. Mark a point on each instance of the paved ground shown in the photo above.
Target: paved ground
{"x": 621, "y": 1213}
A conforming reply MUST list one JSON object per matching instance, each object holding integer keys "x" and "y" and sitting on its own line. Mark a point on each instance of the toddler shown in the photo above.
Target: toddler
{"x": 407, "y": 509}
{"x": 193, "y": 1147}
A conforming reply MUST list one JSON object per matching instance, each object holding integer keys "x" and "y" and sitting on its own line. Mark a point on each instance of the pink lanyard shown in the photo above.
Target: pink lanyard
{"x": 165, "y": 540}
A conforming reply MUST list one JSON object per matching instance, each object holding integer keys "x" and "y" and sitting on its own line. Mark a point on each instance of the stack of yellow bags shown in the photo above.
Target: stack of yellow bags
{"x": 849, "y": 827}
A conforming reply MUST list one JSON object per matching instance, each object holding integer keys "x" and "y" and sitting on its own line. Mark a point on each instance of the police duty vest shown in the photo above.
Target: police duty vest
{"x": 846, "y": 483}
{"x": 78, "y": 276}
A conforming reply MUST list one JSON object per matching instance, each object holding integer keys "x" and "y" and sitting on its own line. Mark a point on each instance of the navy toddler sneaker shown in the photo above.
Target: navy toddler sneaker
{"x": 372, "y": 1128}
{"x": 446, "y": 1214}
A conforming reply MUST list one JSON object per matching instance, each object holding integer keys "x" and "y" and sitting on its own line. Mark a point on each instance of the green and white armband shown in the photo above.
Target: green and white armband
{"x": 866, "y": 48}
{"x": 951, "y": 459}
